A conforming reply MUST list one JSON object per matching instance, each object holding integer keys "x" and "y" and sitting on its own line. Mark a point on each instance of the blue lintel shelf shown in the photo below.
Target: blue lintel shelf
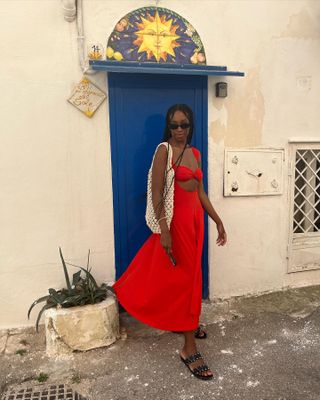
{"x": 161, "y": 68}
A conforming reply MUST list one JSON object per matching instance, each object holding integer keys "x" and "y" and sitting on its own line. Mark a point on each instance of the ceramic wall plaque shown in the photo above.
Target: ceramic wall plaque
{"x": 87, "y": 97}
{"x": 155, "y": 34}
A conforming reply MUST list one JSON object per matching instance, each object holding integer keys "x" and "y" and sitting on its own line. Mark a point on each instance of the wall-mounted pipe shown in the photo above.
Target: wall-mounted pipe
{"x": 69, "y": 10}
{"x": 72, "y": 9}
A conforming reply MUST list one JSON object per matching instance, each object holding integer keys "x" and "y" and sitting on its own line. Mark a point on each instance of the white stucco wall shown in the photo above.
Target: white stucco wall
{"x": 55, "y": 163}
{"x": 275, "y": 43}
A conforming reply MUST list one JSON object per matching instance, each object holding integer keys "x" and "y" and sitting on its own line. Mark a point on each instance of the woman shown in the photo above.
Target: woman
{"x": 152, "y": 289}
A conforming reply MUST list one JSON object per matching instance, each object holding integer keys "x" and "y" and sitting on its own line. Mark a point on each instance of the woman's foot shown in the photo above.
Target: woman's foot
{"x": 198, "y": 361}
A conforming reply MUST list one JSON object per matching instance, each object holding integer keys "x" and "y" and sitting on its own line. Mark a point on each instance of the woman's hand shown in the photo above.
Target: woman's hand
{"x": 222, "y": 236}
{"x": 166, "y": 241}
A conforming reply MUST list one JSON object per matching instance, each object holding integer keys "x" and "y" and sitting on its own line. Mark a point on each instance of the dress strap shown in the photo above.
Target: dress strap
{"x": 196, "y": 152}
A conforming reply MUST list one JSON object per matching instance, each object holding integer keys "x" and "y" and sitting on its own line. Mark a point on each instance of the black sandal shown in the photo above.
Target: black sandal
{"x": 197, "y": 372}
{"x": 199, "y": 333}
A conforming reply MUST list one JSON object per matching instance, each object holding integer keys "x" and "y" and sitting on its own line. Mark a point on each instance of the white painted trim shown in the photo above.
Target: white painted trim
{"x": 304, "y": 140}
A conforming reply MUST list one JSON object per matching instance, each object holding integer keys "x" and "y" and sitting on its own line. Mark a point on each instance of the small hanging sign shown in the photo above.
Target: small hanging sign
{"x": 87, "y": 97}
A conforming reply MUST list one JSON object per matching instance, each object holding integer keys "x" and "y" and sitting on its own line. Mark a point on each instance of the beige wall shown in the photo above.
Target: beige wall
{"x": 55, "y": 163}
{"x": 275, "y": 43}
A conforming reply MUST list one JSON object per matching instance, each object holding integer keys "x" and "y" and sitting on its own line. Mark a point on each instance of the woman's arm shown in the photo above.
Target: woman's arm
{"x": 208, "y": 207}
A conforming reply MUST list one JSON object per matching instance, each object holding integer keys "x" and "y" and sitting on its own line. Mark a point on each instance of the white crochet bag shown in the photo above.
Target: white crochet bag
{"x": 168, "y": 193}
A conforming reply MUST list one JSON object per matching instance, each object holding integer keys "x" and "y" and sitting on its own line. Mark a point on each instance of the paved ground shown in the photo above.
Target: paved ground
{"x": 261, "y": 348}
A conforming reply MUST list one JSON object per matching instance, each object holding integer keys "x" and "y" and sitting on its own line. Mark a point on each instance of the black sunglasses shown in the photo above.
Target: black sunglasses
{"x": 182, "y": 126}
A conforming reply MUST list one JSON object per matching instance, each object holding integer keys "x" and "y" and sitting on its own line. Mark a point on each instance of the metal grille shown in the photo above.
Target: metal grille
{"x": 53, "y": 392}
{"x": 306, "y": 214}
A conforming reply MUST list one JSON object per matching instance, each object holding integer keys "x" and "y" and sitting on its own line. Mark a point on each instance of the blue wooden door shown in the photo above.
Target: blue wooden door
{"x": 137, "y": 106}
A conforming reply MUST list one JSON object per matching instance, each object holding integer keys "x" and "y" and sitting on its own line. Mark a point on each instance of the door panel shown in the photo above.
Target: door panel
{"x": 138, "y": 105}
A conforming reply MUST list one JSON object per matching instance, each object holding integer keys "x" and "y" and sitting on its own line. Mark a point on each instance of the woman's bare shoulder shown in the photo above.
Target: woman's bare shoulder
{"x": 161, "y": 154}
{"x": 162, "y": 149}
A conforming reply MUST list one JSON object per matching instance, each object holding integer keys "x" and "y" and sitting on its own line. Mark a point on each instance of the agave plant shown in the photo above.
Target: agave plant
{"x": 83, "y": 290}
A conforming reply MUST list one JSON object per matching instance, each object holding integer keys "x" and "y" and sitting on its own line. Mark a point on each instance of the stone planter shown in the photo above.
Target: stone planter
{"x": 82, "y": 327}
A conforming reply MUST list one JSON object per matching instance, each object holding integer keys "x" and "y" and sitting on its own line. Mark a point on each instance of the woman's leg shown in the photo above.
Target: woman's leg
{"x": 191, "y": 348}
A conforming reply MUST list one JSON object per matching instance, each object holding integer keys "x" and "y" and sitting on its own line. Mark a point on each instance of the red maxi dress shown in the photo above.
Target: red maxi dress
{"x": 154, "y": 291}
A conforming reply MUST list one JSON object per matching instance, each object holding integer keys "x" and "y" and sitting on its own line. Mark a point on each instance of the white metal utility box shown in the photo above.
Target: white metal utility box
{"x": 253, "y": 171}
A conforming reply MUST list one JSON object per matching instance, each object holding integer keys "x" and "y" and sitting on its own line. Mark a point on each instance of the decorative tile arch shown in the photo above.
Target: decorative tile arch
{"x": 155, "y": 34}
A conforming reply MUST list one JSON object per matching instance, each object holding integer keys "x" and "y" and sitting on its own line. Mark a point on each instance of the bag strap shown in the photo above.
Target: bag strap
{"x": 169, "y": 154}
{"x": 169, "y": 158}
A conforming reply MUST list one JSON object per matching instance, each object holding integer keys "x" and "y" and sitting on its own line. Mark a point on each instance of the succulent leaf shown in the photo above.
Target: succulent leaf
{"x": 65, "y": 270}
{"x": 45, "y": 307}
{"x": 76, "y": 278}
{"x": 43, "y": 298}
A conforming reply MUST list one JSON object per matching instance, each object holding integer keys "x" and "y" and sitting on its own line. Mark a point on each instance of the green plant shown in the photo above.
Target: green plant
{"x": 42, "y": 377}
{"x": 76, "y": 378}
{"x": 21, "y": 352}
{"x": 83, "y": 290}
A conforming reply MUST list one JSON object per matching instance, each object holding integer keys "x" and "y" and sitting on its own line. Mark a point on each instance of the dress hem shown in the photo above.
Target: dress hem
{"x": 144, "y": 321}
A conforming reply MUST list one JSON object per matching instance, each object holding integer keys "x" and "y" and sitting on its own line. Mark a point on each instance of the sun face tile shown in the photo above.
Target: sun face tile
{"x": 155, "y": 35}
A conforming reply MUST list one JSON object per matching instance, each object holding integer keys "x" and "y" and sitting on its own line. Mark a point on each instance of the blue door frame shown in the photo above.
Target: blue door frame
{"x": 154, "y": 92}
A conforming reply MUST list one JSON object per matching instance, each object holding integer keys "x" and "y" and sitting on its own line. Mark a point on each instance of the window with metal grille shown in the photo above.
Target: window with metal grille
{"x": 303, "y": 251}
{"x": 306, "y": 213}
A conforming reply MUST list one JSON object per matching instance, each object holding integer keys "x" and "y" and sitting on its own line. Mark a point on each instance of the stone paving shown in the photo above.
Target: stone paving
{"x": 260, "y": 348}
